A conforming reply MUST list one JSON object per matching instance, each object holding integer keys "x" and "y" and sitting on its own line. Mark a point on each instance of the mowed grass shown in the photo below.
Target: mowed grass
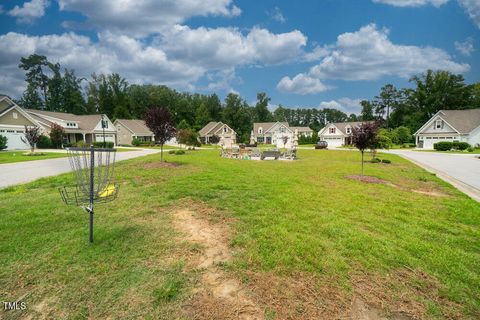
{"x": 20, "y": 156}
{"x": 301, "y": 217}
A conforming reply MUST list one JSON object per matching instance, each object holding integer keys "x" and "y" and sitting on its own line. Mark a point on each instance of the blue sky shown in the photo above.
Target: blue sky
{"x": 328, "y": 53}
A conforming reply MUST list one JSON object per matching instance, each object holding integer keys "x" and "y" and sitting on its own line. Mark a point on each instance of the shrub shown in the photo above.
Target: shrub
{"x": 402, "y": 135}
{"x": 470, "y": 149}
{"x": 443, "y": 146}
{"x": 375, "y": 160}
{"x": 3, "y": 142}
{"x": 56, "y": 135}
{"x": 456, "y": 145}
{"x": 171, "y": 152}
{"x": 81, "y": 144}
{"x": 386, "y": 161}
{"x": 44, "y": 142}
{"x": 99, "y": 144}
{"x": 136, "y": 142}
{"x": 179, "y": 152}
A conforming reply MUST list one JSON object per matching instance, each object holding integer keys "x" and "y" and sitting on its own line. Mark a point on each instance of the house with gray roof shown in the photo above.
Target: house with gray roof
{"x": 338, "y": 134}
{"x": 450, "y": 125}
{"x": 13, "y": 120}
{"x": 87, "y": 128}
{"x": 227, "y": 135}
{"x": 129, "y": 129}
{"x": 276, "y": 133}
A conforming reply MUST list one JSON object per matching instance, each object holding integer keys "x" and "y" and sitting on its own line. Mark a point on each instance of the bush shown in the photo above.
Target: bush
{"x": 3, "y": 142}
{"x": 443, "y": 146}
{"x": 99, "y": 144}
{"x": 470, "y": 149}
{"x": 179, "y": 152}
{"x": 81, "y": 144}
{"x": 457, "y": 145}
{"x": 44, "y": 142}
{"x": 401, "y": 135}
{"x": 375, "y": 160}
{"x": 56, "y": 135}
{"x": 171, "y": 152}
{"x": 136, "y": 142}
{"x": 386, "y": 161}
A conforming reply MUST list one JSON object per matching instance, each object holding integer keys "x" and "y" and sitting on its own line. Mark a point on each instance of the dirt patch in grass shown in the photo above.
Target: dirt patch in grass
{"x": 367, "y": 179}
{"x": 219, "y": 294}
{"x": 403, "y": 294}
{"x": 154, "y": 165}
{"x": 431, "y": 193}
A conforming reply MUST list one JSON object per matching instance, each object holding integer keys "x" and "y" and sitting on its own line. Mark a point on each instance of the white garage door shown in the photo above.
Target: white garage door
{"x": 333, "y": 142}
{"x": 108, "y": 138}
{"x": 428, "y": 142}
{"x": 15, "y": 141}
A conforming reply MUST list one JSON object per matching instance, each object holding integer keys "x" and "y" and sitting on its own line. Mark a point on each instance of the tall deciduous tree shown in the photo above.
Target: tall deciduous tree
{"x": 159, "y": 121}
{"x": 261, "y": 108}
{"x": 364, "y": 137}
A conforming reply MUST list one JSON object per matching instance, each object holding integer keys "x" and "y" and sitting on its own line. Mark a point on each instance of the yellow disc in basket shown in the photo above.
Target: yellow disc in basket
{"x": 108, "y": 191}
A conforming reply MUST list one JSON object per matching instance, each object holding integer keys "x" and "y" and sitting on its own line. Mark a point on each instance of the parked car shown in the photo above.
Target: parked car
{"x": 321, "y": 145}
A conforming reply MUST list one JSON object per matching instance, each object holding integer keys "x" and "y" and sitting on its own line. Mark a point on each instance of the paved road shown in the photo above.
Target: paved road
{"x": 461, "y": 170}
{"x": 21, "y": 172}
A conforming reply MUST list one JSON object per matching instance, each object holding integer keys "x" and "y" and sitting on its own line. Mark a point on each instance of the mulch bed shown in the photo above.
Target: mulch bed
{"x": 367, "y": 179}
{"x": 154, "y": 165}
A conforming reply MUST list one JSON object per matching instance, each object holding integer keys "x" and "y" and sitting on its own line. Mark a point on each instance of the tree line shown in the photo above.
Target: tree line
{"x": 53, "y": 88}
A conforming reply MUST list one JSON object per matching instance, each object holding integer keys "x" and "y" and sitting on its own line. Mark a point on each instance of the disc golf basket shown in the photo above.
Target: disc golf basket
{"x": 93, "y": 171}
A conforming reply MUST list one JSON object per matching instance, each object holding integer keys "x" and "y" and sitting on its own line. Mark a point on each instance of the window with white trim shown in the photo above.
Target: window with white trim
{"x": 260, "y": 130}
{"x": 14, "y": 115}
{"x": 332, "y": 130}
{"x": 349, "y": 130}
{"x": 438, "y": 124}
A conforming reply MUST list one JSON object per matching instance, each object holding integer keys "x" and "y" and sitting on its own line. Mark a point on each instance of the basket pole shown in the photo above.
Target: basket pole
{"x": 92, "y": 168}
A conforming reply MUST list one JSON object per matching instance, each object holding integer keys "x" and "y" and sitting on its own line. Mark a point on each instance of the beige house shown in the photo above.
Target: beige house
{"x": 227, "y": 135}
{"x": 127, "y": 130}
{"x": 450, "y": 125}
{"x": 277, "y": 133}
{"x": 13, "y": 120}
{"x": 86, "y": 128}
{"x": 338, "y": 134}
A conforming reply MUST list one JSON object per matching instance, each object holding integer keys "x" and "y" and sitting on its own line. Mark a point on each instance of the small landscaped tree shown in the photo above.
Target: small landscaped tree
{"x": 214, "y": 139}
{"x": 364, "y": 137}
{"x": 188, "y": 137}
{"x": 159, "y": 121}
{"x": 3, "y": 142}
{"x": 32, "y": 134}
{"x": 56, "y": 135}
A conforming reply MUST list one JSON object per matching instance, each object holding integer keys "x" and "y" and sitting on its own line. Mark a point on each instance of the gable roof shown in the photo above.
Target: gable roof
{"x": 85, "y": 122}
{"x": 137, "y": 127}
{"x": 266, "y": 126}
{"x": 301, "y": 129}
{"x": 342, "y": 126}
{"x": 463, "y": 121}
{"x": 208, "y": 128}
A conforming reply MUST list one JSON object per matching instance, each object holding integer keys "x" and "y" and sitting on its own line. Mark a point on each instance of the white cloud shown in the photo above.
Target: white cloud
{"x": 472, "y": 7}
{"x": 140, "y": 18}
{"x": 466, "y": 47}
{"x": 277, "y": 15}
{"x": 346, "y": 105}
{"x": 412, "y": 3}
{"x": 368, "y": 54}
{"x": 226, "y": 47}
{"x": 135, "y": 61}
{"x": 301, "y": 84}
{"x": 29, "y": 11}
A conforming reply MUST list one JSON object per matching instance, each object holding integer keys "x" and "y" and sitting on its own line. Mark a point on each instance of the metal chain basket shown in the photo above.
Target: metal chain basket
{"x": 93, "y": 170}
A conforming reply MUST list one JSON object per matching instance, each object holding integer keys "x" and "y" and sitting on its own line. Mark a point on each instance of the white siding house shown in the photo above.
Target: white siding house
{"x": 450, "y": 125}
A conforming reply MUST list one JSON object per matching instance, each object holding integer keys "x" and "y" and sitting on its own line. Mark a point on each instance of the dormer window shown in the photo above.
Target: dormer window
{"x": 438, "y": 124}
{"x": 332, "y": 130}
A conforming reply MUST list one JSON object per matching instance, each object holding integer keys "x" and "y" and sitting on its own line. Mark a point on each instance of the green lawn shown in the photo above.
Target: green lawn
{"x": 302, "y": 222}
{"x": 19, "y": 156}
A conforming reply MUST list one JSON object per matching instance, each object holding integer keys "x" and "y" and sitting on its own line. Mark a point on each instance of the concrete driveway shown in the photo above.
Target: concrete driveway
{"x": 461, "y": 170}
{"x": 22, "y": 172}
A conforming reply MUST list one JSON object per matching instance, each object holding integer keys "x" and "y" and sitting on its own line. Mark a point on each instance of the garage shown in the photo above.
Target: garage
{"x": 334, "y": 141}
{"x": 15, "y": 138}
{"x": 429, "y": 141}
{"x": 108, "y": 138}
